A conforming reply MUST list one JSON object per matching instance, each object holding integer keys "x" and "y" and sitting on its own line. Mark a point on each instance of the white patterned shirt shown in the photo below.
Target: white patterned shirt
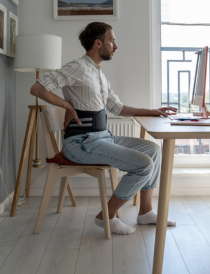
{"x": 84, "y": 86}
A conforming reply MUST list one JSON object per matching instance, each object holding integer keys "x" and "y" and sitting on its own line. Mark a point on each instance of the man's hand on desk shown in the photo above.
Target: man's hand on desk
{"x": 162, "y": 111}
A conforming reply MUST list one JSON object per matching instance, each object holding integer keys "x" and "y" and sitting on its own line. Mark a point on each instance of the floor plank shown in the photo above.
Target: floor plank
{"x": 95, "y": 253}
{"x": 12, "y": 227}
{"x": 4, "y": 253}
{"x": 206, "y": 199}
{"x": 1, "y": 219}
{"x": 201, "y": 216}
{"x": 173, "y": 261}
{"x": 60, "y": 261}
{"x": 51, "y": 216}
{"x": 68, "y": 231}
{"x": 129, "y": 253}
{"x": 193, "y": 247}
{"x": 28, "y": 252}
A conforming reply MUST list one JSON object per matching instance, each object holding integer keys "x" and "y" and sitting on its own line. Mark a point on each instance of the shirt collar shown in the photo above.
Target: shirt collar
{"x": 90, "y": 60}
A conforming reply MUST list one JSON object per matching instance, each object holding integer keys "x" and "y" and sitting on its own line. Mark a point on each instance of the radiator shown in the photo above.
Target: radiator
{"x": 123, "y": 127}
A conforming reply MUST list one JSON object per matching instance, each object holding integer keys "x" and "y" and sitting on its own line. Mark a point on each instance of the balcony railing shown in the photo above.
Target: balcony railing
{"x": 180, "y": 56}
{"x": 178, "y": 66}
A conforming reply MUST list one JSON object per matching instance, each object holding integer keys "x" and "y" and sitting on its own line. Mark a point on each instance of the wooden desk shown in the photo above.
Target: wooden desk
{"x": 159, "y": 128}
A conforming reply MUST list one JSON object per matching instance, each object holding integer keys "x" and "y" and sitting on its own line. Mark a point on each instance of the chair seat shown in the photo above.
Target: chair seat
{"x": 60, "y": 159}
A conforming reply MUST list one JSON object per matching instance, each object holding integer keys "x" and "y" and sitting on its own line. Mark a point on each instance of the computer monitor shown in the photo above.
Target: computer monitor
{"x": 199, "y": 87}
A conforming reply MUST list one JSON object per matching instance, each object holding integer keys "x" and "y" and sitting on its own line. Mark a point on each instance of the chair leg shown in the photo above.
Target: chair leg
{"x": 136, "y": 198}
{"x": 71, "y": 195}
{"x": 114, "y": 183}
{"x": 103, "y": 196}
{"x": 63, "y": 187}
{"x": 47, "y": 194}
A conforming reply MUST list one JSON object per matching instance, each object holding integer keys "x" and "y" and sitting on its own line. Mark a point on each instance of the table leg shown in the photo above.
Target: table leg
{"x": 163, "y": 203}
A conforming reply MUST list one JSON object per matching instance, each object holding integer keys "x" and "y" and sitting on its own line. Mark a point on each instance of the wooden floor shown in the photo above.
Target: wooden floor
{"x": 71, "y": 243}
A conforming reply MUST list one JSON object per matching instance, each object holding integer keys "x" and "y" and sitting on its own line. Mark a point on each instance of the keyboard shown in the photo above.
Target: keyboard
{"x": 177, "y": 117}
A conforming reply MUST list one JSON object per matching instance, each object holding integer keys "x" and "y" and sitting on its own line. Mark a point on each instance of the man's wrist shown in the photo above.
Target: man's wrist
{"x": 142, "y": 112}
{"x": 68, "y": 106}
{"x": 146, "y": 112}
{"x": 149, "y": 112}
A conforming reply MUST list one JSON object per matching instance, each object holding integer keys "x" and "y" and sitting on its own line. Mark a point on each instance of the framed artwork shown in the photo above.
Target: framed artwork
{"x": 16, "y": 2}
{"x": 12, "y": 32}
{"x": 85, "y": 9}
{"x": 3, "y": 29}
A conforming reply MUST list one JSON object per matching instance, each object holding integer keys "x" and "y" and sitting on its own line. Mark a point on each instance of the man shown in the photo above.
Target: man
{"x": 87, "y": 94}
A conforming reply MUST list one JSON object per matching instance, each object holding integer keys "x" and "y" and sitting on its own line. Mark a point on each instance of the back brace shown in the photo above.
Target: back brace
{"x": 92, "y": 121}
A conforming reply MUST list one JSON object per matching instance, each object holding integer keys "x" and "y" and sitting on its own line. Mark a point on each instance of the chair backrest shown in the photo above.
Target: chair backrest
{"x": 55, "y": 118}
{"x": 52, "y": 122}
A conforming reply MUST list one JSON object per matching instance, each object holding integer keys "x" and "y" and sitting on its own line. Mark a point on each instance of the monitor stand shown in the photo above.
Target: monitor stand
{"x": 204, "y": 113}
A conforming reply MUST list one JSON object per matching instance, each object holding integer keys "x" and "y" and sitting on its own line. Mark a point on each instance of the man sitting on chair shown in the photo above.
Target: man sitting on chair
{"x": 87, "y": 95}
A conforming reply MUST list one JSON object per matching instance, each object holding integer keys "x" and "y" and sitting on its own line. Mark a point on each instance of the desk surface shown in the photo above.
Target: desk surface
{"x": 160, "y": 128}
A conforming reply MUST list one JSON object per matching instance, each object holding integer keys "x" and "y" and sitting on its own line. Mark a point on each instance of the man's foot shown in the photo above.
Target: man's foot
{"x": 150, "y": 218}
{"x": 116, "y": 226}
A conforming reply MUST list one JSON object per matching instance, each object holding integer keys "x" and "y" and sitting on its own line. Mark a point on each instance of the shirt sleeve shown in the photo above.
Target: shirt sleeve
{"x": 69, "y": 75}
{"x": 114, "y": 105}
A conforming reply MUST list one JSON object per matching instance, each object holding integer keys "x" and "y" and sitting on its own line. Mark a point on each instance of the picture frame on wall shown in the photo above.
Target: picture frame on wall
{"x": 3, "y": 30}
{"x": 83, "y": 9}
{"x": 16, "y": 2}
{"x": 12, "y": 32}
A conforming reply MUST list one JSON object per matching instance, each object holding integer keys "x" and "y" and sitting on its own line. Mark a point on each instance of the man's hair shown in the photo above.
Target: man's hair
{"x": 91, "y": 32}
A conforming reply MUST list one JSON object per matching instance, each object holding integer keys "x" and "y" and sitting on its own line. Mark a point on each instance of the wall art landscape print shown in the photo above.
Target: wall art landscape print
{"x": 72, "y": 9}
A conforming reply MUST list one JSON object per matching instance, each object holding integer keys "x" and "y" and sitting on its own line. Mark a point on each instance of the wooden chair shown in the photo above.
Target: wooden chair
{"x": 52, "y": 121}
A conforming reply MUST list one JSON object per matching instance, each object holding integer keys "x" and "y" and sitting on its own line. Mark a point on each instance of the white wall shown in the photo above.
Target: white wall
{"x": 130, "y": 71}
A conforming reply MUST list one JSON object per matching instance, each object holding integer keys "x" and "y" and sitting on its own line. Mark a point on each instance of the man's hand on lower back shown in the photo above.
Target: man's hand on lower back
{"x": 70, "y": 115}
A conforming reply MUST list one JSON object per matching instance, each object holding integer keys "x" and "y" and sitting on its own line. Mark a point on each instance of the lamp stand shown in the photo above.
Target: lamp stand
{"x": 32, "y": 131}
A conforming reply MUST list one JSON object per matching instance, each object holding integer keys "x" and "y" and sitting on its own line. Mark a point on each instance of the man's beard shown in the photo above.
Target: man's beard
{"x": 105, "y": 54}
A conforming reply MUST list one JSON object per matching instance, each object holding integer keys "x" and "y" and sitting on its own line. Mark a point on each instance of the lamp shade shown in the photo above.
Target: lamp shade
{"x": 38, "y": 52}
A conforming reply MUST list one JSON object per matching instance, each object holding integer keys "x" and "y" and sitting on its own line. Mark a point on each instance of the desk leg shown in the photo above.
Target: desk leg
{"x": 163, "y": 203}
{"x": 143, "y": 135}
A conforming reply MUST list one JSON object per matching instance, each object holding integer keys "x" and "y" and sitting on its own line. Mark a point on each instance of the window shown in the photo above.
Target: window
{"x": 185, "y": 28}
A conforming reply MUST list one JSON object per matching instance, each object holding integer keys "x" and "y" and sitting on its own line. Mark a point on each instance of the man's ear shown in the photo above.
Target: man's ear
{"x": 98, "y": 43}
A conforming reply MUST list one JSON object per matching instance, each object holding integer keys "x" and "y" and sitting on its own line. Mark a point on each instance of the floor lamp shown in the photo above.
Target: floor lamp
{"x": 34, "y": 53}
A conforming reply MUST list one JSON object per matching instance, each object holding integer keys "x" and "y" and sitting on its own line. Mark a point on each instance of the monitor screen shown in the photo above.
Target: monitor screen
{"x": 198, "y": 94}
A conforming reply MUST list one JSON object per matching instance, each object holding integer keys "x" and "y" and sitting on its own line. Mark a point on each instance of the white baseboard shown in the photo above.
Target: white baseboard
{"x": 6, "y": 203}
{"x": 186, "y": 191}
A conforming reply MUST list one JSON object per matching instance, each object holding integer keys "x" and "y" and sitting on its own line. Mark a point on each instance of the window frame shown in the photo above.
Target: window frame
{"x": 188, "y": 160}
